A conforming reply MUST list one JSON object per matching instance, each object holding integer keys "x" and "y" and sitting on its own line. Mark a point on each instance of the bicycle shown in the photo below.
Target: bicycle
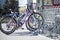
{"x": 34, "y": 21}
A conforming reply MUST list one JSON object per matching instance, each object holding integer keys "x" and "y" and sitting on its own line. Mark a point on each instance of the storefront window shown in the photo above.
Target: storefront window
{"x": 47, "y": 2}
{"x": 38, "y": 1}
{"x": 56, "y": 2}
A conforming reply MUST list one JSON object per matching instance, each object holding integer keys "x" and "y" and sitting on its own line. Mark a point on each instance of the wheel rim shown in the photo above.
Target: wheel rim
{"x": 7, "y": 24}
{"x": 35, "y": 20}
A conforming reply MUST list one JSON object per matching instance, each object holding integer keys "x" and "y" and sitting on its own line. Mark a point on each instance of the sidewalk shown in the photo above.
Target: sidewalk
{"x": 22, "y": 35}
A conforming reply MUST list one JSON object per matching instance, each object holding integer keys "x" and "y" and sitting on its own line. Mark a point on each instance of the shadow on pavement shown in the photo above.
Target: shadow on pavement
{"x": 23, "y": 34}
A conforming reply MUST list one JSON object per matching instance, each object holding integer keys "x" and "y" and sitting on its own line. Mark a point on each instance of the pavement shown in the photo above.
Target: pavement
{"x": 23, "y": 35}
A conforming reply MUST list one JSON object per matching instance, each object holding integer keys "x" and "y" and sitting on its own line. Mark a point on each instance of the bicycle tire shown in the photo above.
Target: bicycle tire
{"x": 29, "y": 26}
{"x": 6, "y": 32}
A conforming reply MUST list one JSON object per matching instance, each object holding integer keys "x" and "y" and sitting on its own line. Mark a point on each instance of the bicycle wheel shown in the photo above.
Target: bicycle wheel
{"x": 35, "y": 21}
{"x": 7, "y": 25}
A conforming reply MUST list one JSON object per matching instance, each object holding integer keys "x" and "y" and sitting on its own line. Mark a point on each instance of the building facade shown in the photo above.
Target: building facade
{"x": 49, "y": 11}
{"x": 1, "y": 3}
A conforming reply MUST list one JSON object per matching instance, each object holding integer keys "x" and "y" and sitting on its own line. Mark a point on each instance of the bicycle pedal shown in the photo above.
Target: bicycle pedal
{"x": 22, "y": 28}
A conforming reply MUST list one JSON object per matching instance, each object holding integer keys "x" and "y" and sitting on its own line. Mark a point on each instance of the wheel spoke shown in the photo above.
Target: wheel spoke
{"x": 36, "y": 19}
{"x": 8, "y": 24}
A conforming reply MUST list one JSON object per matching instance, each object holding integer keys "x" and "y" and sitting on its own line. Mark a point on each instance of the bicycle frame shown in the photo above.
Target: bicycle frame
{"x": 26, "y": 16}
{"x": 28, "y": 12}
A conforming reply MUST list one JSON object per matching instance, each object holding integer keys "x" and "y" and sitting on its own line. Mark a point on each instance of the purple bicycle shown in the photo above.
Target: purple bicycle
{"x": 32, "y": 19}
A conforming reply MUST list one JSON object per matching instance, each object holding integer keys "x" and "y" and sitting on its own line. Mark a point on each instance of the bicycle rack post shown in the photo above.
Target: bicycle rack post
{"x": 38, "y": 30}
{"x": 39, "y": 26}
